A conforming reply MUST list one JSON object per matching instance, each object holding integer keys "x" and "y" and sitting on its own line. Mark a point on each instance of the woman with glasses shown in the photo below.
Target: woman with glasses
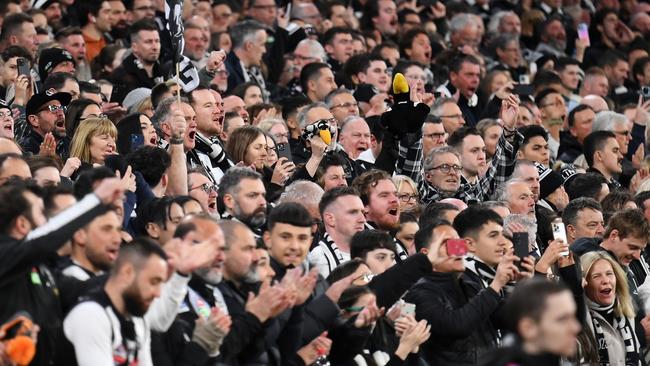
{"x": 407, "y": 193}
{"x": 79, "y": 110}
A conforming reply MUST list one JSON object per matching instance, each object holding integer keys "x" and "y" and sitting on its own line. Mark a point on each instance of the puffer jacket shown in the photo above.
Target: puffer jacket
{"x": 459, "y": 311}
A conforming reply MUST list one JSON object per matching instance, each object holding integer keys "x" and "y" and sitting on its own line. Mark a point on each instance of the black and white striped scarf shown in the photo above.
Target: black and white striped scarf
{"x": 623, "y": 327}
{"x": 485, "y": 273}
{"x": 331, "y": 251}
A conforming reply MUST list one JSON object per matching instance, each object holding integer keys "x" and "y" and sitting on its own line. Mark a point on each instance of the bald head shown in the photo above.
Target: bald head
{"x": 596, "y": 102}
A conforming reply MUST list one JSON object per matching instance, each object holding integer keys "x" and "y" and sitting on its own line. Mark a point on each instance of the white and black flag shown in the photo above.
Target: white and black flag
{"x": 188, "y": 76}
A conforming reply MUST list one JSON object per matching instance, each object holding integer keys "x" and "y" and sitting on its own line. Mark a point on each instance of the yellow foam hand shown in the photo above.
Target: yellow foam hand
{"x": 326, "y": 136}
{"x": 400, "y": 85}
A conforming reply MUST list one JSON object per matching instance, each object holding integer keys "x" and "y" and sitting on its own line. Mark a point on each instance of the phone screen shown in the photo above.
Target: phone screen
{"x": 456, "y": 247}
{"x": 136, "y": 141}
{"x": 520, "y": 242}
{"x": 583, "y": 32}
{"x": 523, "y": 89}
{"x": 23, "y": 66}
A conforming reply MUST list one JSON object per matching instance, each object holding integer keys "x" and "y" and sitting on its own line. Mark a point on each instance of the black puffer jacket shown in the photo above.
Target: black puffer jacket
{"x": 459, "y": 311}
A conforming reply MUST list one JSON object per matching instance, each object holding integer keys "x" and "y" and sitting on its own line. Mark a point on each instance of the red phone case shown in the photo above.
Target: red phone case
{"x": 456, "y": 247}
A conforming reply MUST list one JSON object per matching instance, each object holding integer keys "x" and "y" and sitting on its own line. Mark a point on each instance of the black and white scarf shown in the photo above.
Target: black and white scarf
{"x": 485, "y": 273}
{"x": 332, "y": 253}
{"x": 623, "y": 327}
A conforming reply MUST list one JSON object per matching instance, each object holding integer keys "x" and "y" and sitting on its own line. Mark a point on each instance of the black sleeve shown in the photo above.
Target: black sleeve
{"x": 320, "y": 315}
{"x": 45, "y": 240}
{"x": 570, "y": 276}
{"x": 459, "y": 322}
{"x": 392, "y": 284}
{"x": 244, "y": 329}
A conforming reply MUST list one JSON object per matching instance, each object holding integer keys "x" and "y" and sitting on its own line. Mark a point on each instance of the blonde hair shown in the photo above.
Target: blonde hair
{"x": 87, "y": 129}
{"x": 624, "y": 300}
{"x": 400, "y": 180}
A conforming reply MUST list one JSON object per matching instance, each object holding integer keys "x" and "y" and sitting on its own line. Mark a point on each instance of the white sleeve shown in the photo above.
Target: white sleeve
{"x": 163, "y": 310}
{"x": 317, "y": 258}
{"x": 89, "y": 330}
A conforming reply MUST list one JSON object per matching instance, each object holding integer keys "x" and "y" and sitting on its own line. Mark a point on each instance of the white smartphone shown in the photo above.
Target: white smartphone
{"x": 407, "y": 309}
{"x": 559, "y": 232}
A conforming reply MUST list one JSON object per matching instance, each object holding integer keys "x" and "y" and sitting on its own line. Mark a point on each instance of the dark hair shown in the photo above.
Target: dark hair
{"x": 137, "y": 252}
{"x": 49, "y": 196}
{"x": 141, "y": 25}
{"x": 328, "y": 37}
{"x": 529, "y": 300}
{"x": 90, "y": 88}
{"x": 435, "y": 211}
{"x": 57, "y": 80}
{"x": 105, "y": 58}
{"x": 595, "y": 141}
{"x": 73, "y": 114}
{"x": 37, "y": 162}
{"x": 242, "y": 30}
{"x": 12, "y": 25}
{"x": 456, "y": 138}
{"x": 86, "y": 8}
{"x": 469, "y": 222}
{"x": 610, "y": 58}
{"x": 615, "y": 201}
{"x": 16, "y": 51}
{"x": 290, "y": 105}
{"x": 641, "y": 198}
{"x": 407, "y": 39}
{"x": 240, "y": 90}
{"x": 7, "y": 156}
{"x": 424, "y": 235}
{"x": 457, "y": 62}
{"x": 345, "y": 269}
{"x": 563, "y": 62}
{"x": 290, "y": 213}
{"x": 571, "y": 119}
{"x": 67, "y": 32}
{"x": 585, "y": 185}
{"x": 333, "y": 194}
{"x": 571, "y": 211}
{"x": 155, "y": 211}
{"x": 151, "y": 161}
{"x": 311, "y": 72}
{"x": 368, "y": 180}
{"x": 14, "y": 203}
{"x": 157, "y": 93}
{"x": 329, "y": 160}
{"x": 84, "y": 183}
{"x": 639, "y": 66}
{"x": 369, "y": 240}
{"x": 352, "y": 294}
{"x": 532, "y": 131}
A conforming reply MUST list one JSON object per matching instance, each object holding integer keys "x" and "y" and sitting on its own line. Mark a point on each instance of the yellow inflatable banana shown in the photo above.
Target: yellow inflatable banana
{"x": 326, "y": 136}
{"x": 400, "y": 85}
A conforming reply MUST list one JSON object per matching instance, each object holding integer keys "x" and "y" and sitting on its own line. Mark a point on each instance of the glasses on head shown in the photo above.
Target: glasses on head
{"x": 434, "y": 135}
{"x": 206, "y": 187}
{"x": 446, "y": 168}
{"x": 53, "y": 108}
{"x": 406, "y": 198}
{"x": 5, "y": 114}
{"x": 346, "y": 105}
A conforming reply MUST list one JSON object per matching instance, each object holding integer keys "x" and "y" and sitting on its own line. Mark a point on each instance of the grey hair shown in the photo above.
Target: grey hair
{"x": 494, "y": 204}
{"x": 302, "y": 116}
{"x": 461, "y": 21}
{"x": 164, "y": 110}
{"x": 329, "y": 99}
{"x": 504, "y": 190}
{"x": 571, "y": 211}
{"x": 606, "y": 120}
{"x": 528, "y": 223}
{"x": 349, "y": 119}
{"x": 304, "y": 192}
{"x": 496, "y": 19}
{"x": 519, "y": 164}
{"x": 436, "y": 108}
{"x": 315, "y": 49}
{"x": 229, "y": 183}
{"x": 267, "y": 124}
{"x": 437, "y": 151}
{"x": 503, "y": 40}
{"x": 243, "y": 32}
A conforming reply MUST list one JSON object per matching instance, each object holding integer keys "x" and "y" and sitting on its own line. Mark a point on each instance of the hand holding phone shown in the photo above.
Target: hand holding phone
{"x": 583, "y": 33}
{"x": 23, "y": 66}
{"x": 559, "y": 233}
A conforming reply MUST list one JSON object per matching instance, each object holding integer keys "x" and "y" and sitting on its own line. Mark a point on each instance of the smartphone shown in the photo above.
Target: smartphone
{"x": 284, "y": 151}
{"x": 427, "y": 2}
{"x": 524, "y": 79}
{"x": 559, "y": 233}
{"x": 288, "y": 11}
{"x": 645, "y": 91}
{"x": 523, "y": 89}
{"x": 520, "y": 242}
{"x": 136, "y": 141}
{"x": 118, "y": 94}
{"x": 456, "y": 247}
{"x": 407, "y": 309}
{"x": 23, "y": 66}
{"x": 583, "y": 33}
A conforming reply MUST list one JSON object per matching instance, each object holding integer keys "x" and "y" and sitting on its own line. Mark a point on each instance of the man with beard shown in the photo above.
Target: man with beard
{"x": 72, "y": 40}
{"x": 46, "y": 116}
{"x": 141, "y": 67}
{"x": 119, "y": 332}
{"x": 244, "y": 197}
{"x": 552, "y": 37}
{"x": 119, "y": 24}
{"x": 379, "y": 196}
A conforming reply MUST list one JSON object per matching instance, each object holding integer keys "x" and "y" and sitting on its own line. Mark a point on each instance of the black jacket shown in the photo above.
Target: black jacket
{"x": 26, "y": 280}
{"x": 131, "y": 75}
{"x": 459, "y": 311}
{"x": 516, "y": 356}
{"x": 32, "y": 143}
{"x": 570, "y": 147}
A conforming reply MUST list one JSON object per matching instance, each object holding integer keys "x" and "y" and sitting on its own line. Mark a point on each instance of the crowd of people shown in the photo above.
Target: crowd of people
{"x": 324, "y": 182}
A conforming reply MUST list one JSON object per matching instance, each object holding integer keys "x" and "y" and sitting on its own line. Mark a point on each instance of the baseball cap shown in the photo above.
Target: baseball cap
{"x": 37, "y": 101}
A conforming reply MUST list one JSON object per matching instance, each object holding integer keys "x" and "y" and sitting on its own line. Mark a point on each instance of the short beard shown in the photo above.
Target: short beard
{"x": 133, "y": 301}
{"x": 209, "y": 276}
{"x": 255, "y": 220}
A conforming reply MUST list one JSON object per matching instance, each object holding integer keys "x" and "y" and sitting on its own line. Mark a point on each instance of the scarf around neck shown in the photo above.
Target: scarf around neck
{"x": 623, "y": 327}
{"x": 485, "y": 273}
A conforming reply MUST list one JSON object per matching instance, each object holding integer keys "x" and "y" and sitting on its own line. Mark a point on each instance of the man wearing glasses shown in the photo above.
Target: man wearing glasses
{"x": 46, "y": 114}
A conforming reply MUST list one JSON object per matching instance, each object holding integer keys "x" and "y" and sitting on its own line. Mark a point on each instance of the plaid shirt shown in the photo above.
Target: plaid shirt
{"x": 409, "y": 162}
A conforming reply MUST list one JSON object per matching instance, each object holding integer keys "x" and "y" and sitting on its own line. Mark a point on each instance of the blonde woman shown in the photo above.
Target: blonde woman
{"x": 610, "y": 316}
{"x": 407, "y": 193}
{"x": 94, "y": 140}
